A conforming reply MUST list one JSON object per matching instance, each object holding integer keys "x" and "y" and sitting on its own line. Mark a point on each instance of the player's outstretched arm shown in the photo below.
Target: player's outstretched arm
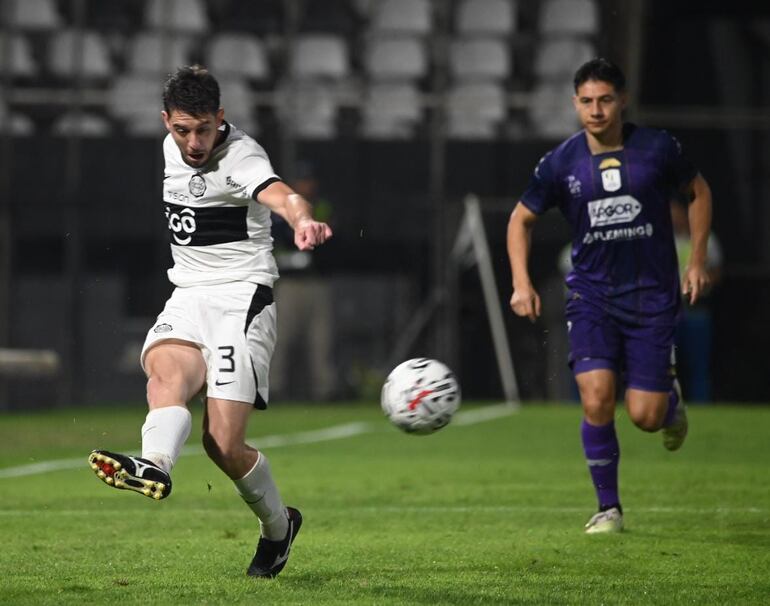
{"x": 283, "y": 200}
{"x": 525, "y": 301}
{"x": 696, "y": 278}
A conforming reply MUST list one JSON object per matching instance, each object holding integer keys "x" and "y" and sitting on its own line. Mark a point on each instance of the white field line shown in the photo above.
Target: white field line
{"x": 487, "y": 413}
{"x": 428, "y": 509}
{"x": 335, "y": 432}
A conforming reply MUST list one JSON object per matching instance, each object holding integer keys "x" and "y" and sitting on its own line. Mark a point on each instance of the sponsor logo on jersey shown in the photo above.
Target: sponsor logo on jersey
{"x": 231, "y": 183}
{"x": 610, "y": 211}
{"x": 204, "y": 226}
{"x": 611, "y": 180}
{"x": 574, "y": 185}
{"x": 619, "y": 233}
{"x": 181, "y": 224}
{"x": 197, "y": 185}
{"x": 176, "y": 196}
{"x": 163, "y": 328}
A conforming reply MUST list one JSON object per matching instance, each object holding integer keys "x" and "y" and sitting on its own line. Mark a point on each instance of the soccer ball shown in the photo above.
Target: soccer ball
{"x": 420, "y": 396}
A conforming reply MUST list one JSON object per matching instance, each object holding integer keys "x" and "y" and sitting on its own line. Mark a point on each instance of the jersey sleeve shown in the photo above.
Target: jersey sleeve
{"x": 679, "y": 169}
{"x": 541, "y": 193}
{"x": 253, "y": 170}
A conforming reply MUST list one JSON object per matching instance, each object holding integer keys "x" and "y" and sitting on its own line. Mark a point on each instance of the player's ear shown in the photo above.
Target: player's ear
{"x": 220, "y": 116}
{"x": 165, "y": 116}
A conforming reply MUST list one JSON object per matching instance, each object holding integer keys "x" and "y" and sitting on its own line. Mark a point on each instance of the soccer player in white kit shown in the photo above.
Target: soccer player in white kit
{"x": 218, "y": 329}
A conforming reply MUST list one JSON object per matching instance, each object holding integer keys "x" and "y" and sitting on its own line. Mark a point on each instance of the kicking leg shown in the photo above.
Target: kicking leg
{"x": 176, "y": 372}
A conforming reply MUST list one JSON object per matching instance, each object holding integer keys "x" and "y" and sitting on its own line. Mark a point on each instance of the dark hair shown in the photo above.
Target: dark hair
{"x": 192, "y": 90}
{"x": 602, "y": 70}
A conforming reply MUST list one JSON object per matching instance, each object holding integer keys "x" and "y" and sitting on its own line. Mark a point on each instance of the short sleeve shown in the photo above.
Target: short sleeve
{"x": 541, "y": 193}
{"x": 253, "y": 169}
{"x": 679, "y": 169}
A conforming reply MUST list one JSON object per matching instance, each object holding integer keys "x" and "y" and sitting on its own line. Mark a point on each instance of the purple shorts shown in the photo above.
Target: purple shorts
{"x": 644, "y": 353}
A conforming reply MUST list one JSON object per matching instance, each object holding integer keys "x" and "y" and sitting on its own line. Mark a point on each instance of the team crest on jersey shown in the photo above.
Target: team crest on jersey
{"x": 611, "y": 180}
{"x": 197, "y": 185}
{"x": 609, "y": 163}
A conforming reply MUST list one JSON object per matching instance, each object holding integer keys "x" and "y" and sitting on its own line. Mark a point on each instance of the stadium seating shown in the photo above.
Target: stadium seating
{"x": 187, "y": 16}
{"x": 17, "y": 124}
{"x": 94, "y": 54}
{"x": 368, "y": 62}
{"x": 237, "y": 99}
{"x": 157, "y": 53}
{"x": 31, "y": 14}
{"x": 557, "y": 58}
{"x": 405, "y": 16}
{"x": 84, "y": 124}
{"x": 551, "y": 113}
{"x": 475, "y": 110}
{"x": 238, "y": 54}
{"x": 21, "y": 62}
{"x": 135, "y": 100}
{"x": 308, "y": 108}
{"x": 395, "y": 58}
{"x": 479, "y": 59}
{"x": 391, "y": 110}
{"x": 319, "y": 70}
{"x": 569, "y": 17}
{"x": 320, "y": 56}
{"x": 486, "y": 17}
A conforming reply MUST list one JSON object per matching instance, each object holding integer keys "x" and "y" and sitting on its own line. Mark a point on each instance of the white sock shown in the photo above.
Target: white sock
{"x": 259, "y": 491}
{"x": 164, "y": 432}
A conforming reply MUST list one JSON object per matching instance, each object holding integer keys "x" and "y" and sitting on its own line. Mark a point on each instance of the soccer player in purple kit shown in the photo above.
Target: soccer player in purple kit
{"x": 614, "y": 182}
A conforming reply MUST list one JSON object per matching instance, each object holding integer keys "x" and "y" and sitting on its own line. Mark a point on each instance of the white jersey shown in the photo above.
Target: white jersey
{"x": 218, "y": 232}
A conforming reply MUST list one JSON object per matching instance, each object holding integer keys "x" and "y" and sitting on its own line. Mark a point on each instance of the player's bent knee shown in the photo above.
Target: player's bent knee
{"x": 647, "y": 420}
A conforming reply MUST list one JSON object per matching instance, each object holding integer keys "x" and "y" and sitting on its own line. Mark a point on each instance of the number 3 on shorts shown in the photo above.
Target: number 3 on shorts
{"x": 227, "y": 352}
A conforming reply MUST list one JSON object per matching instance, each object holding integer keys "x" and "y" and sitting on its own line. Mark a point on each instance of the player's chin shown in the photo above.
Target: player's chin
{"x": 597, "y": 129}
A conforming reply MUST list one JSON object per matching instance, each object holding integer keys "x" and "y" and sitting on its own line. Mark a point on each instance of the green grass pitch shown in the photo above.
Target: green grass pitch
{"x": 480, "y": 513}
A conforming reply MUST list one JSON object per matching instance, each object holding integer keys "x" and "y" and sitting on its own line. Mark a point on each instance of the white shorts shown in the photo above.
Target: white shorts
{"x": 234, "y": 325}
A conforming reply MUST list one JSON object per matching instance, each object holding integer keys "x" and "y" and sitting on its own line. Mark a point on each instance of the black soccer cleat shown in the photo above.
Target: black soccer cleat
{"x": 271, "y": 556}
{"x": 130, "y": 473}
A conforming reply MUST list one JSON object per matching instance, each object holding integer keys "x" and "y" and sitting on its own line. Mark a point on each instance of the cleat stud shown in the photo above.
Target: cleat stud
{"x": 117, "y": 465}
{"x": 146, "y": 492}
{"x": 101, "y": 474}
{"x": 109, "y": 480}
{"x": 94, "y": 466}
{"x": 119, "y": 484}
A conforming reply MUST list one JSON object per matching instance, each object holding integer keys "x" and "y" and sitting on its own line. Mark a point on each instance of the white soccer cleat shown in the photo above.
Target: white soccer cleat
{"x": 674, "y": 434}
{"x": 610, "y": 520}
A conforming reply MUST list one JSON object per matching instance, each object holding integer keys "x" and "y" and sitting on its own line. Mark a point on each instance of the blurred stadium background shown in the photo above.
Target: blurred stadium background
{"x": 387, "y": 113}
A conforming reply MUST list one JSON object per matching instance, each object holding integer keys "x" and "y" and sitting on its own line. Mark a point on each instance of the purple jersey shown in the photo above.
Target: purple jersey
{"x": 618, "y": 204}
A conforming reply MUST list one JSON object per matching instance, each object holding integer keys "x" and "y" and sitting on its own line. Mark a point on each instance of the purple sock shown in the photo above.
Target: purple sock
{"x": 602, "y": 451}
{"x": 673, "y": 400}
